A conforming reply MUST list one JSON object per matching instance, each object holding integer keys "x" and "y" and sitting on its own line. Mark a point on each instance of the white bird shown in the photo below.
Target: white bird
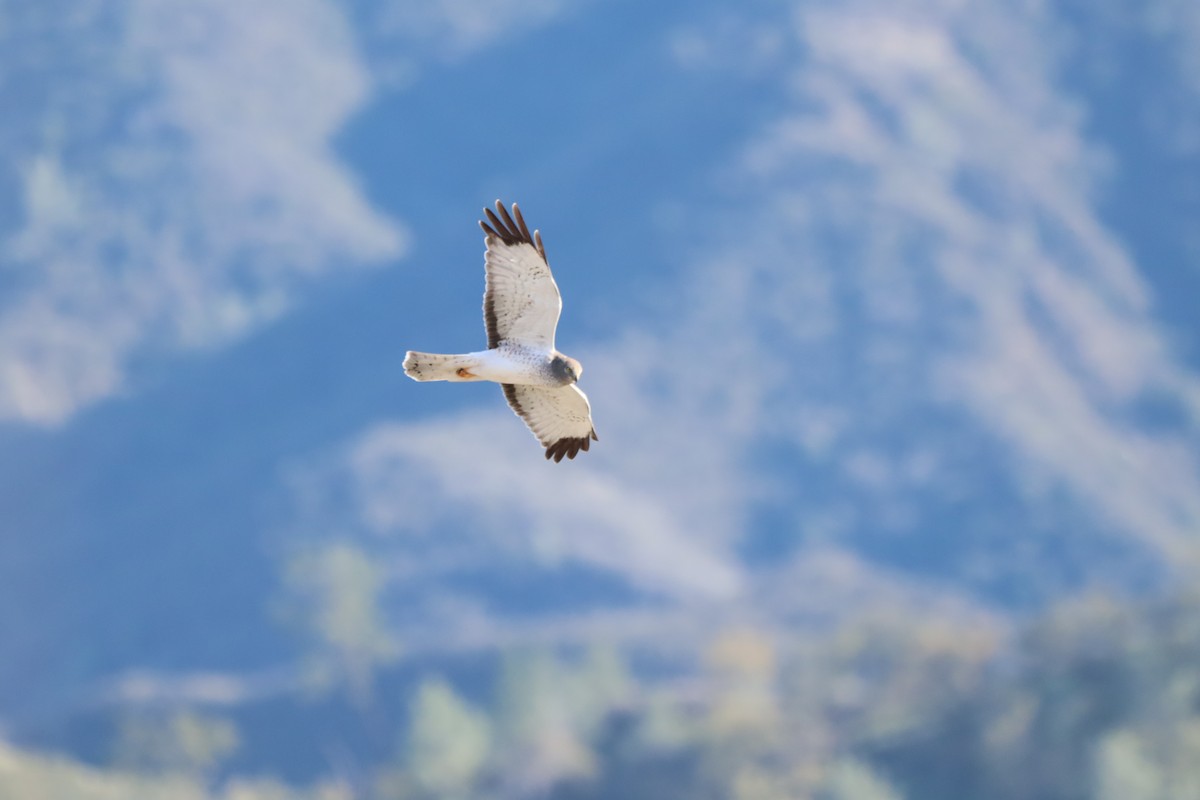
{"x": 521, "y": 305}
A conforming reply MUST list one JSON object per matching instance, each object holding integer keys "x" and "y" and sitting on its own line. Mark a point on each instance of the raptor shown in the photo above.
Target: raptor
{"x": 521, "y": 306}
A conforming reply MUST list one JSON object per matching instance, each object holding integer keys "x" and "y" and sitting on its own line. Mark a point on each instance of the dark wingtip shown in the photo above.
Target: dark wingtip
{"x": 497, "y": 226}
{"x": 521, "y": 222}
{"x": 567, "y": 448}
{"x": 511, "y": 229}
{"x": 508, "y": 221}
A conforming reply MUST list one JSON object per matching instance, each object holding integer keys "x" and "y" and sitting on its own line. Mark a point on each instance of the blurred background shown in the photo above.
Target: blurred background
{"x": 889, "y": 313}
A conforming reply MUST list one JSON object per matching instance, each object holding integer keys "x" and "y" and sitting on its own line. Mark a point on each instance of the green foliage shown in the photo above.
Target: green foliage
{"x": 183, "y": 742}
{"x": 1103, "y": 697}
{"x": 546, "y": 711}
{"x": 540, "y": 732}
{"x": 850, "y": 779}
{"x": 334, "y": 596}
{"x": 1157, "y": 763}
{"x": 596, "y": 687}
{"x": 1125, "y": 771}
{"x": 1097, "y": 700}
{"x": 530, "y": 697}
{"x": 27, "y": 776}
{"x": 742, "y": 673}
{"x": 448, "y": 742}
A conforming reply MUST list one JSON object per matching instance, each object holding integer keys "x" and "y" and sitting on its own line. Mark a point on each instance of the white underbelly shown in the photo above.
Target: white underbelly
{"x": 504, "y": 366}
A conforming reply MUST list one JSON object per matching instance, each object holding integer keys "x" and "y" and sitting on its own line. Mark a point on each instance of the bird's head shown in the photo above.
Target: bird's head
{"x": 566, "y": 369}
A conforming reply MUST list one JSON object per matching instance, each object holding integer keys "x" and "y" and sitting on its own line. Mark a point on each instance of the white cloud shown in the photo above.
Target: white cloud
{"x": 405, "y": 36}
{"x": 733, "y": 41}
{"x": 480, "y": 481}
{"x": 972, "y": 174}
{"x": 1172, "y": 27}
{"x": 462, "y": 26}
{"x": 179, "y": 185}
{"x": 147, "y": 687}
{"x": 915, "y": 272}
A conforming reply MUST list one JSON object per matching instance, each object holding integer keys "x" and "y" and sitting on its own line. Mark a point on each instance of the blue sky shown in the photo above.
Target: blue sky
{"x": 883, "y": 299}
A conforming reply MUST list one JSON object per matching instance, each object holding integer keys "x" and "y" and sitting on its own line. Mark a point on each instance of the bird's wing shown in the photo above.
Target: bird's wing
{"x": 521, "y": 302}
{"x": 560, "y": 417}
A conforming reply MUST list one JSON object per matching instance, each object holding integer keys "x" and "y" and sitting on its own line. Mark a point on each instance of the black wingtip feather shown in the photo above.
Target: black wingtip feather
{"x": 508, "y": 221}
{"x": 497, "y": 228}
{"x": 510, "y": 231}
{"x": 567, "y": 448}
{"x": 521, "y": 222}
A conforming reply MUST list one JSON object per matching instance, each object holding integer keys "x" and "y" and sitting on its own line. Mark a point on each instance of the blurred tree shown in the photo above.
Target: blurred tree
{"x": 850, "y": 779}
{"x": 1158, "y": 764}
{"x": 1098, "y": 699}
{"x": 29, "y": 776}
{"x": 598, "y": 686}
{"x": 871, "y": 690}
{"x": 266, "y": 789}
{"x": 334, "y": 594}
{"x": 664, "y": 724}
{"x": 538, "y": 735}
{"x": 887, "y": 675}
{"x": 632, "y": 766}
{"x": 740, "y": 729}
{"x": 1124, "y": 770}
{"x": 741, "y": 665}
{"x": 185, "y": 742}
{"x": 448, "y": 743}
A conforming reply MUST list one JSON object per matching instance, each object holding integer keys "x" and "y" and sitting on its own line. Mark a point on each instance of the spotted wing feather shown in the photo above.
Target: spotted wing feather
{"x": 521, "y": 302}
{"x": 560, "y": 417}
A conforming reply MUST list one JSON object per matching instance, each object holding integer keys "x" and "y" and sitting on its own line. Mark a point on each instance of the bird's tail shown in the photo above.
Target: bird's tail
{"x": 437, "y": 367}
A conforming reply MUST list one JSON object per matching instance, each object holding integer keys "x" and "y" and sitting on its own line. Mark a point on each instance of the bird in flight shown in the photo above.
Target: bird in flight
{"x": 521, "y": 305}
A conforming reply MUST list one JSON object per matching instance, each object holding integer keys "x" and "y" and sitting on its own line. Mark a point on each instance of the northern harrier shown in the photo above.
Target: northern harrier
{"x": 521, "y": 305}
